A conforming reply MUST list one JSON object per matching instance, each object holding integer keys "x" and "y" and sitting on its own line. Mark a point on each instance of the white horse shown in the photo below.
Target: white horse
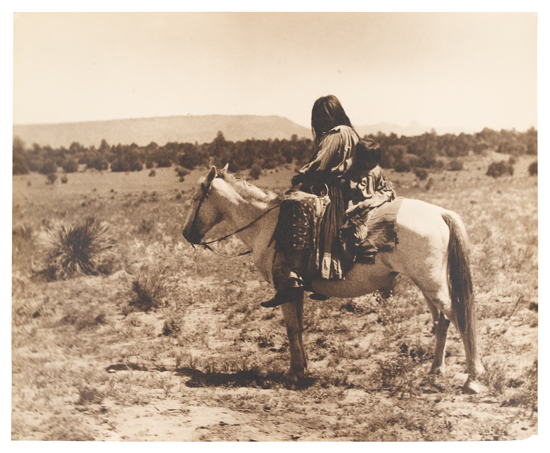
{"x": 432, "y": 251}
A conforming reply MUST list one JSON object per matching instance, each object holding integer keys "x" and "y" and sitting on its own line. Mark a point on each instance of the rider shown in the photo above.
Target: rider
{"x": 335, "y": 139}
{"x": 367, "y": 189}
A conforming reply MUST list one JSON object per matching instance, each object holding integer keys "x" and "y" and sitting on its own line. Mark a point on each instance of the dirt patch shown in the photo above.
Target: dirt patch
{"x": 206, "y": 363}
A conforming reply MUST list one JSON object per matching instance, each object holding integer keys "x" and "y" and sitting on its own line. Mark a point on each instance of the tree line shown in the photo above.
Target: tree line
{"x": 402, "y": 153}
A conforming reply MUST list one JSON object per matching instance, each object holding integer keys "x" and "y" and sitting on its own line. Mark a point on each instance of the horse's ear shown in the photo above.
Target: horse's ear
{"x": 226, "y": 168}
{"x": 213, "y": 173}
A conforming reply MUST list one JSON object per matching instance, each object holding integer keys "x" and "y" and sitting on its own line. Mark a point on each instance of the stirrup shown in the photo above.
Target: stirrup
{"x": 315, "y": 295}
{"x": 318, "y": 296}
{"x": 283, "y": 297}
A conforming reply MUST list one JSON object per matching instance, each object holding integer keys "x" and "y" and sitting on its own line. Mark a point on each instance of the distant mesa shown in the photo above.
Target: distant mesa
{"x": 184, "y": 129}
{"x": 161, "y": 130}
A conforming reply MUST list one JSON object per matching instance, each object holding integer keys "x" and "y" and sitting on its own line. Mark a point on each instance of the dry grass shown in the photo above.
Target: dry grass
{"x": 176, "y": 338}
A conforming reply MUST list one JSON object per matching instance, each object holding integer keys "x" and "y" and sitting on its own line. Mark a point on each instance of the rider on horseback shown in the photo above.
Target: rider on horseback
{"x": 326, "y": 174}
{"x": 367, "y": 189}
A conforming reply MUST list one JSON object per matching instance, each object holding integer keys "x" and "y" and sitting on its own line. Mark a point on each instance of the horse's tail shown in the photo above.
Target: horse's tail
{"x": 460, "y": 281}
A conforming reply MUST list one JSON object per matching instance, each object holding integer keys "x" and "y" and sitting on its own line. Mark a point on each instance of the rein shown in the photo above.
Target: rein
{"x": 206, "y": 245}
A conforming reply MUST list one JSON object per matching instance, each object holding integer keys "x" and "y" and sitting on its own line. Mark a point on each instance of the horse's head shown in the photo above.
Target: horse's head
{"x": 220, "y": 197}
{"x": 204, "y": 213}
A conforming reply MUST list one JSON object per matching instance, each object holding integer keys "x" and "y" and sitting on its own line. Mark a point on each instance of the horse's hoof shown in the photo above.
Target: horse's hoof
{"x": 294, "y": 376}
{"x": 471, "y": 387}
{"x": 291, "y": 377}
{"x": 480, "y": 369}
{"x": 439, "y": 370}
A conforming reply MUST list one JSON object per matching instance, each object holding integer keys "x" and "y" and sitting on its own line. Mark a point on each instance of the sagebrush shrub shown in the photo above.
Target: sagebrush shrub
{"x": 70, "y": 165}
{"x": 164, "y": 162}
{"x": 97, "y": 162}
{"x": 84, "y": 318}
{"x": 89, "y": 395}
{"x": 172, "y": 327}
{"x": 48, "y": 167}
{"x": 147, "y": 290}
{"x": 402, "y": 166}
{"x": 430, "y": 184}
{"x": 255, "y": 171}
{"x": 438, "y": 164}
{"x": 127, "y": 162}
{"x": 20, "y": 164}
{"x": 497, "y": 169}
{"x": 396, "y": 373}
{"x": 495, "y": 376}
{"x": 406, "y": 163}
{"x": 23, "y": 247}
{"x": 23, "y": 231}
{"x": 52, "y": 177}
{"x": 146, "y": 226}
{"x": 182, "y": 171}
{"x": 456, "y": 165}
{"x": 533, "y": 169}
{"x": 84, "y": 248}
{"x": 421, "y": 173}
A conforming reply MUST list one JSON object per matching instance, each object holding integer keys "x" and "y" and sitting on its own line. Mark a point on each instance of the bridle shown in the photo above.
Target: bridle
{"x": 204, "y": 196}
{"x": 206, "y": 245}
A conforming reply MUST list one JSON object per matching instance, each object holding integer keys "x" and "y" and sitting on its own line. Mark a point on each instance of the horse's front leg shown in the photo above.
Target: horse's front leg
{"x": 293, "y": 314}
{"x": 300, "y": 314}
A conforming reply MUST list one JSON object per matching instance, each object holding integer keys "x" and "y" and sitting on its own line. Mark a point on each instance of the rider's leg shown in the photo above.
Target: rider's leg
{"x": 287, "y": 277}
{"x": 294, "y": 242}
{"x": 289, "y": 268}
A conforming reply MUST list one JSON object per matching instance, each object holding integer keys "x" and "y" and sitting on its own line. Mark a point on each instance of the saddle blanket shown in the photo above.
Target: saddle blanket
{"x": 299, "y": 221}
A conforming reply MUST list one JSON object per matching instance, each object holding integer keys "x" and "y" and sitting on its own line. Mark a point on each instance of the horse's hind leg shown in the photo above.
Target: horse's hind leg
{"x": 441, "y": 326}
{"x": 436, "y": 304}
{"x": 442, "y": 314}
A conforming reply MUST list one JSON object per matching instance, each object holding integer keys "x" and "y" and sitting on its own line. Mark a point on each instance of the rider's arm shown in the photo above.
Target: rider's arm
{"x": 375, "y": 190}
{"x": 332, "y": 158}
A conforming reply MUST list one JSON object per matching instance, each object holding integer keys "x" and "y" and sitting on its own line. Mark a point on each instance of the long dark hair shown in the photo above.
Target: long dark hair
{"x": 327, "y": 113}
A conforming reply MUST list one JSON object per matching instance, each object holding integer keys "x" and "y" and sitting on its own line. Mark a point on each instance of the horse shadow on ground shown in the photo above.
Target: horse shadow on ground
{"x": 245, "y": 378}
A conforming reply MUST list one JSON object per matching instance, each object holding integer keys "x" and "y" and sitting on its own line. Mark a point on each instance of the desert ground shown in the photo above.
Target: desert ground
{"x": 170, "y": 342}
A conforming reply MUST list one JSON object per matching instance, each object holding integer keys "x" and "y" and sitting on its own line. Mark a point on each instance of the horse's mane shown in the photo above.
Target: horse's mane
{"x": 249, "y": 191}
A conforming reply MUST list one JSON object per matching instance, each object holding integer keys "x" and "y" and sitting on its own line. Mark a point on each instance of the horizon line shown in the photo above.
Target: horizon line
{"x": 412, "y": 123}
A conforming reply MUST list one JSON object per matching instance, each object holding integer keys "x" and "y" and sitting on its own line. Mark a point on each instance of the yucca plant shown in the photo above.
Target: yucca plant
{"x": 85, "y": 248}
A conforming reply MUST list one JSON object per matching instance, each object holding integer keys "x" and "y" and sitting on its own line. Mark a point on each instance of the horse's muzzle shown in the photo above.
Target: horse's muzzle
{"x": 192, "y": 237}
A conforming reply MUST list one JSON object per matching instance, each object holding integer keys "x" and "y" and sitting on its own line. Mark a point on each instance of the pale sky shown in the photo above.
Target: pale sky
{"x": 469, "y": 70}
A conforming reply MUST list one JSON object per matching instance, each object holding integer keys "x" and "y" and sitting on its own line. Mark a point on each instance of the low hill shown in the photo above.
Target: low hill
{"x": 188, "y": 129}
{"x": 161, "y": 130}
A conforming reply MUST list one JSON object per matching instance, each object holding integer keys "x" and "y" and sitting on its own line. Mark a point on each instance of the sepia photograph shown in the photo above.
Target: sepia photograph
{"x": 275, "y": 227}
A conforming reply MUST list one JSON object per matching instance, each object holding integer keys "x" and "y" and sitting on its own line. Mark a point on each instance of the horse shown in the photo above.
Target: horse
{"x": 432, "y": 251}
